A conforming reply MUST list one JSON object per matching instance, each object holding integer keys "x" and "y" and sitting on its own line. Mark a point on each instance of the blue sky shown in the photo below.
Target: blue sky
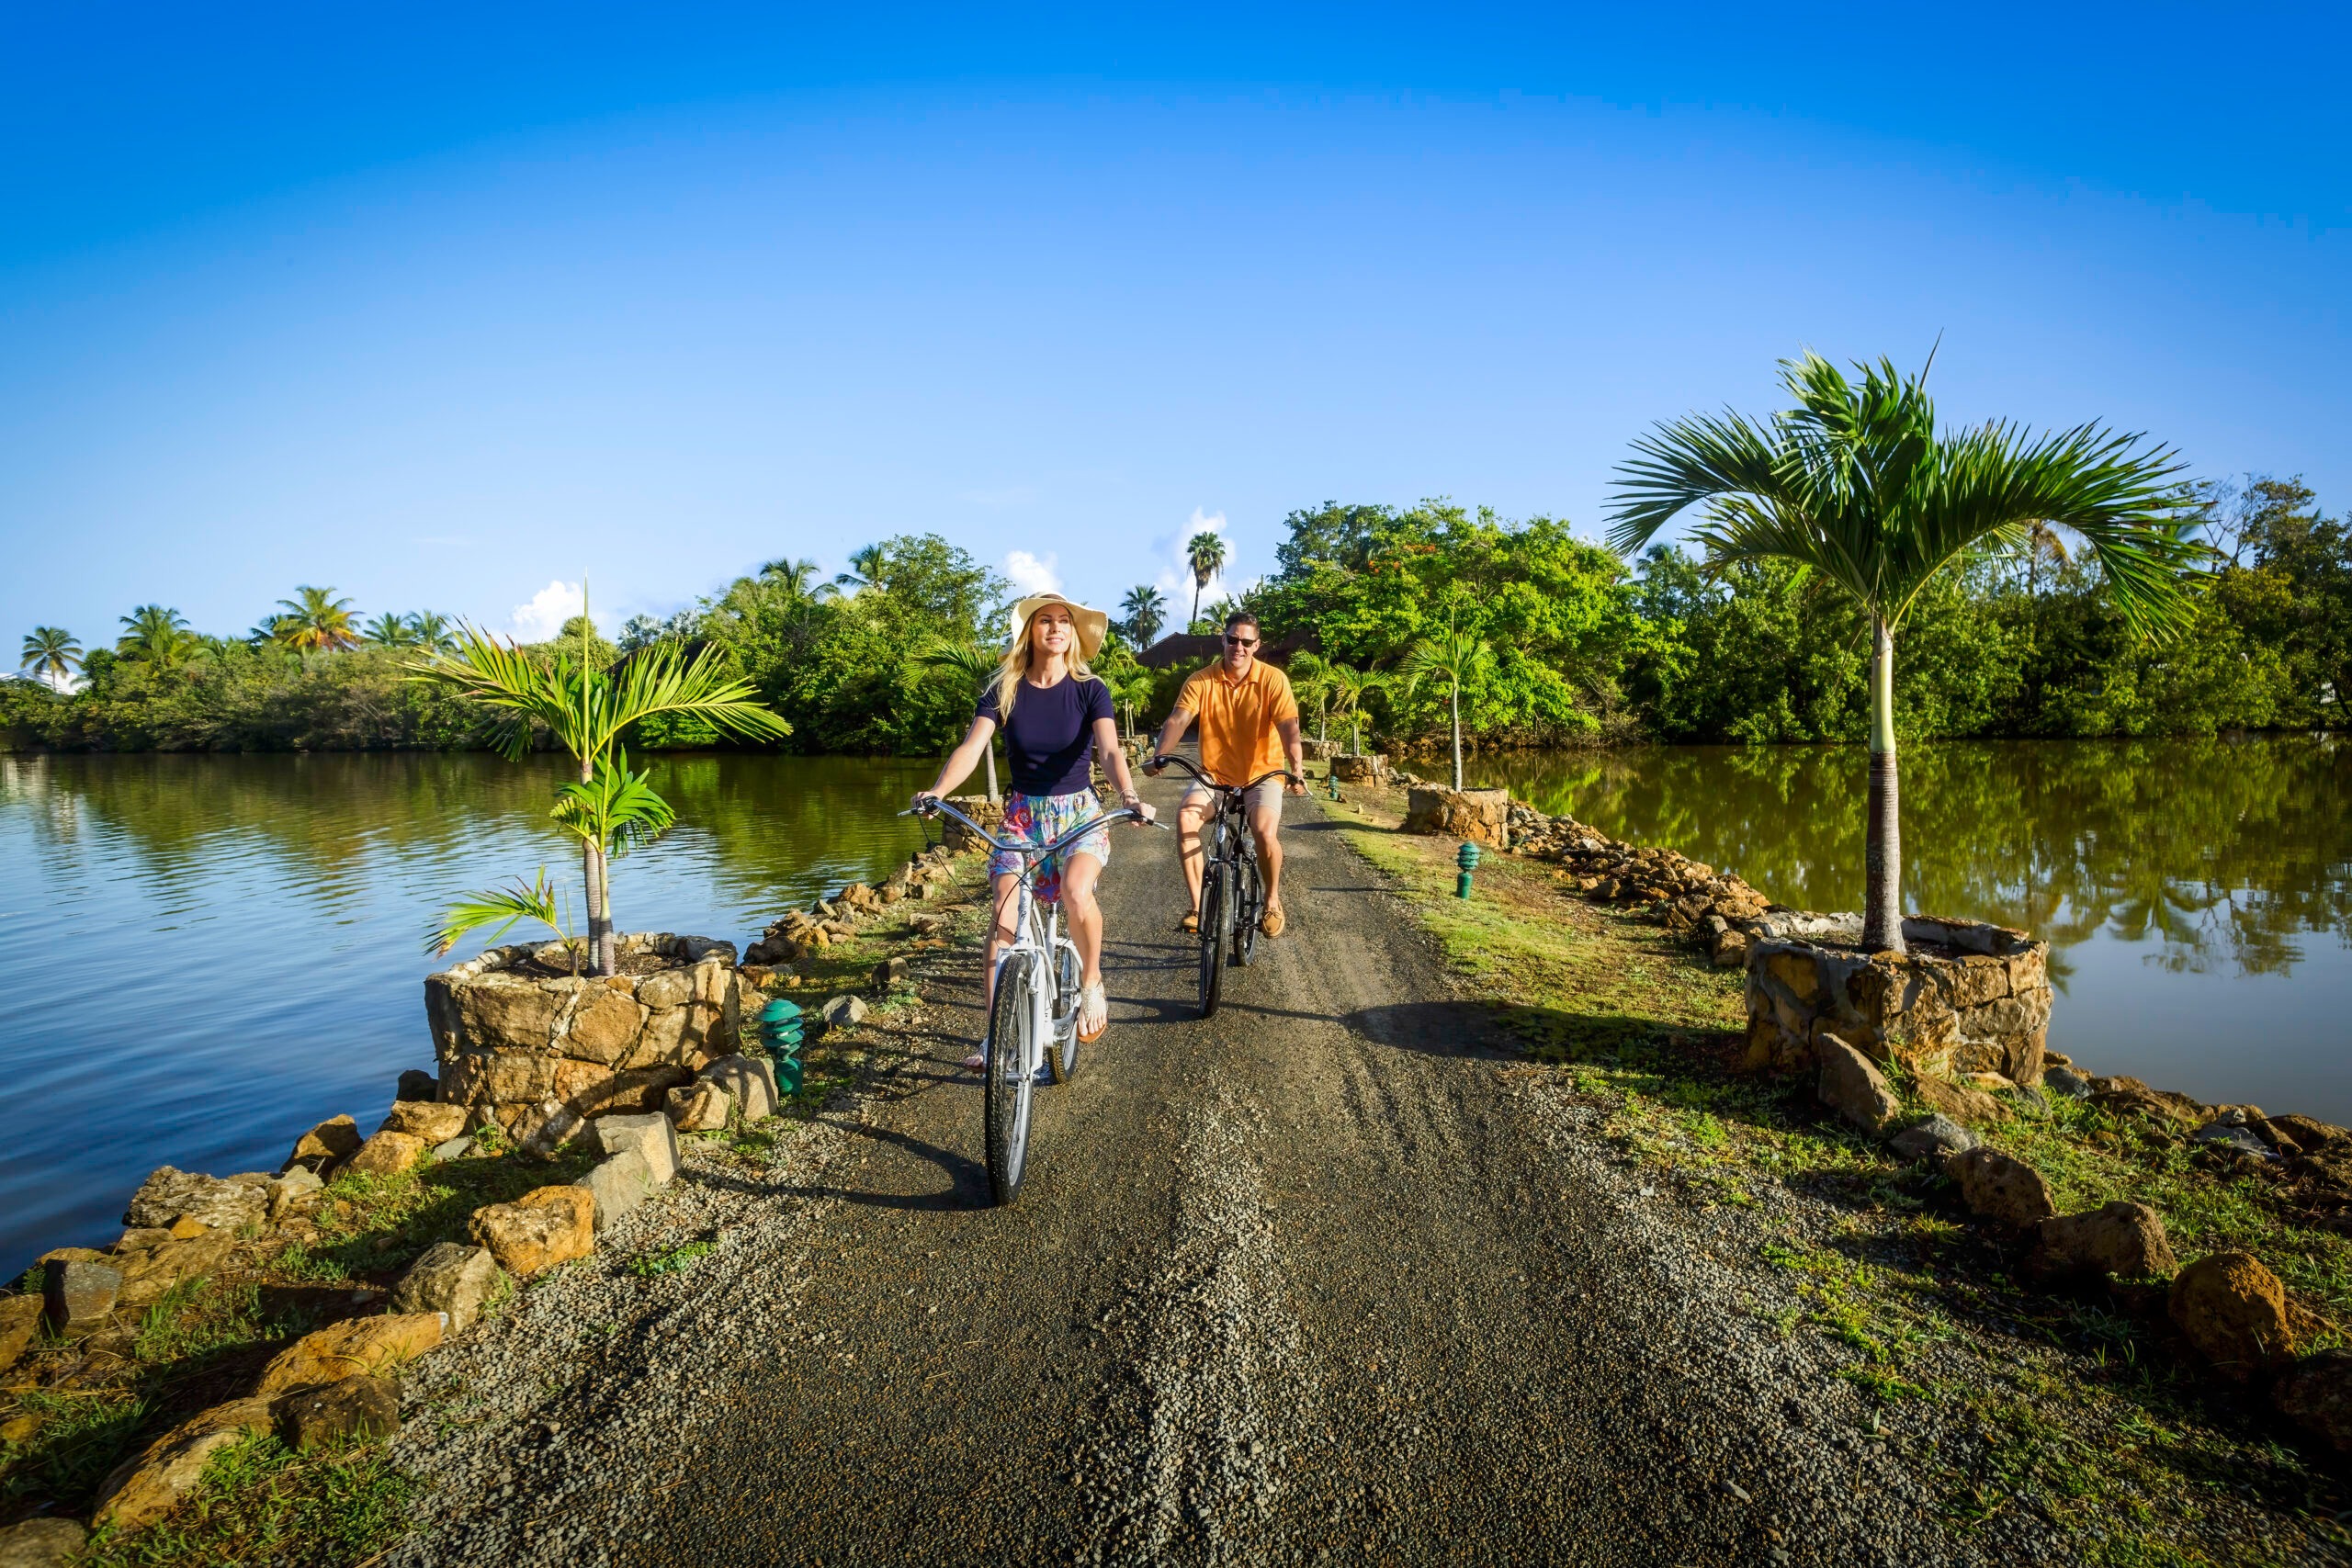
{"x": 442, "y": 308}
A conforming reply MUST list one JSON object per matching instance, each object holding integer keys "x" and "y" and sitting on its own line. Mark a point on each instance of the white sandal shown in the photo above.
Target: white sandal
{"x": 1093, "y": 1013}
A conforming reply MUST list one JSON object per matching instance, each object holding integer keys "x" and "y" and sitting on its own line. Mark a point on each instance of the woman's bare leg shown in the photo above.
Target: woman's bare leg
{"x": 1001, "y": 936}
{"x": 1084, "y": 915}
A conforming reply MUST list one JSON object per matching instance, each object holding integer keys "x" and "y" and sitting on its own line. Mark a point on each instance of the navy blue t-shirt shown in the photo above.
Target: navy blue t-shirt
{"x": 1050, "y": 744}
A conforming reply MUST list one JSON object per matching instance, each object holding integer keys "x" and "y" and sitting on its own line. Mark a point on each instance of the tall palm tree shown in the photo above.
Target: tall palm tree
{"x": 2042, "y": 543}
{"x": 797, "y": 579}
{"x": 1857, "y": 487}
{"x": 389, "y": 630}
{"x": 155, "y": 634}
{"x": 867, "y": 567}
{"x": 1204, "y": 552}
{"x": 316, "y": 621}
{"x": 587, "y": 709}
{"x": 429, "y": 630}
{"x": 1457, "y": 659}
{"x": 1145, "y": 609}
{"x": 51, "y": 653}
{"x": 977, "y": 666}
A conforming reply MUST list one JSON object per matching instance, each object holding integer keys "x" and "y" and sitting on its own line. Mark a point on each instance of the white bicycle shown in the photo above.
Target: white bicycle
{"x": 1033, "y": 1024}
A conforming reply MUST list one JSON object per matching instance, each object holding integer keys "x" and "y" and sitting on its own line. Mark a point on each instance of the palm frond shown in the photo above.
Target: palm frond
{"x": 502, "y": 907}
{"x": 613, "y": 807}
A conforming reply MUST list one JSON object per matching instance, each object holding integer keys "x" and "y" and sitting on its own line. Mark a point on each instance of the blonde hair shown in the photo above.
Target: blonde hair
{"x": 1024, "y": 647}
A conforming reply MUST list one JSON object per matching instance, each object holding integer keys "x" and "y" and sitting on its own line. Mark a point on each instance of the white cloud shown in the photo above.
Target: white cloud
{"x": 548, "y": 609}
{"x": 1175, "y": 579}
{"x": 1034, "y": 574}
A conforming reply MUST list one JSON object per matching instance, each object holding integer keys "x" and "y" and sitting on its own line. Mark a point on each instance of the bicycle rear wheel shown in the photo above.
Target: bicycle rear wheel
{"x": 1061, "y": 1057}
{"x": 1249, "y": 902}
{"x": 1216, "y": 916}
{"x": 1008, "y": 1081}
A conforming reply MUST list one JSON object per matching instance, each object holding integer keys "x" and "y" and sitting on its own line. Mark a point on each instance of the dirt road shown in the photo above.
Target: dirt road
{"x": 1297, "y": 1284}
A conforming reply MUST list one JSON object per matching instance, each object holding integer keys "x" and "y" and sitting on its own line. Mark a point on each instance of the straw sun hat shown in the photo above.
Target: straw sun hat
{"x": 1090, "y": 623}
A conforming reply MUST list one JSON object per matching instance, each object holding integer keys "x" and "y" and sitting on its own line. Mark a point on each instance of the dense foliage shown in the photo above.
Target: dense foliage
{"x": 1584, "y": 647}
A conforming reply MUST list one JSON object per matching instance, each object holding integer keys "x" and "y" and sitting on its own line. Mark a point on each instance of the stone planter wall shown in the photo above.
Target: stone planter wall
{"x": 1482, "y": 815}
{"x": 540, "y": 1055}
{"x": 1371, "y": 767}
{"x": 988, "y": 814}
{"x": 1967, "y": 999}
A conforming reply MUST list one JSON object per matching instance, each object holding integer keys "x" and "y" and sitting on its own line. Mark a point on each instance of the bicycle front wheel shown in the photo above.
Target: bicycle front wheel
{"x": 1061, "y": 1057}
{"x": 1009, "y": 1080}
{"x": 1247, "y": 908}
{"x": 1216, "y": 920}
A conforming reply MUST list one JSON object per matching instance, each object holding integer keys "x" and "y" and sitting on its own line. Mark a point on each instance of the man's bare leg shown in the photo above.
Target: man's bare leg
{"x": 1265, "y": 825}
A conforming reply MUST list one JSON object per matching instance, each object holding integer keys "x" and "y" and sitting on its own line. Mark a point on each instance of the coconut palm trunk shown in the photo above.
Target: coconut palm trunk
{"x": 1457, "y": 736}
{"x": 1882, "y": 848}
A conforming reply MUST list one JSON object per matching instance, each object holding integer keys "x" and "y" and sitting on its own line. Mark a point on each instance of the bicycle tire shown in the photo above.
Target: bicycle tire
{"x": 1007, "y": 1083}
{"x": 1216, "y": 916}
{"x": 1061, "y": 1060}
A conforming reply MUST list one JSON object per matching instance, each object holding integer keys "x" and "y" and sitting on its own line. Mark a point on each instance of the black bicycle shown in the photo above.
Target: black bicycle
{"x": 1233, "y": 890}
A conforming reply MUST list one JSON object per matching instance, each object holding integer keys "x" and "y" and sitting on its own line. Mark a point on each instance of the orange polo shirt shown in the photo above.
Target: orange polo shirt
{"x": 1237, "y": 719}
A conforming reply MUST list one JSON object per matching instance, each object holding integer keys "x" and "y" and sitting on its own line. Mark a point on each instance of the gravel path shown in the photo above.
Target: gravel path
{"x": 1325, "y": 1279}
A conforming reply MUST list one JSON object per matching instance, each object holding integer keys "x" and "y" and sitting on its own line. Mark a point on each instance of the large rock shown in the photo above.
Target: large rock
{"x": 428, "y": 1120}
{"x": 172, "y": 1195}
{"x": 152, "y": 1262}
{"x": 843, "y": 1011}
{"x": 617, "y": 1186}
{"x": 2123, "y": 1238}
{"x": 20, "y": 1318}
{"x": 1482, "y": 815}
{"x": 1853, "y": 1086}
{"x": 144, "y": 1489}
{"x": 355, "y": 1408}
{"x": 449, "y": 1278}
{"x": 41, "y": 1543}
{"x": 2001, "y": 1189}
{"x": 347, "y": 1350}
{"x": 78, "y": 1296}
{"x": 538, "y": 1230}
{"x": 2235, "y": 1311}
{"x": 298, "y": 1189}
{"x": 415, "y": 1085}
{"x": 700, "y": 1107}
{"x": 649, "y": 1134}
{"x": 326, "y": 1144}
{"x": 750, "y": 1081}
{"x": 2123, "y": 1095}
{"x": 1958, "y": 1101}
{"x": 2315, "y": 1393}
{"x": 1936, "y": 1140}
{"x": 387, "y": 1154}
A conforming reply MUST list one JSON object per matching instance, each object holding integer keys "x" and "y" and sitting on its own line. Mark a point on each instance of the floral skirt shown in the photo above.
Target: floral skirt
{"x": 1042, "y": 819}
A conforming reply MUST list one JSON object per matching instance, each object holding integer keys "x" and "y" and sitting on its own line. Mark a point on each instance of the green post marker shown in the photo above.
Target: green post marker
{"x": 1332, "y": 777}
{"x": 1468, "y": 860}
{"x": 779, "y": 1029}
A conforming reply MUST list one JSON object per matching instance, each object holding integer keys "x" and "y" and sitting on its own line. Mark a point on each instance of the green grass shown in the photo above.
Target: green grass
{"x": 261, "y": 1502}
{"x": 83, "y": 1435}
{"x": 374, "y": 1226}
{"x": 670, "y": 1261}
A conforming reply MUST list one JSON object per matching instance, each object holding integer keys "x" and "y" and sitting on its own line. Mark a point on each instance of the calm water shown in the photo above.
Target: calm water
{"x": 2197, "y": 895}
{"x": 206, "y": 954}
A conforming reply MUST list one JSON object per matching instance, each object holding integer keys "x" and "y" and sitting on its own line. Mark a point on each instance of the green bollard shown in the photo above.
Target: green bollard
{"x": 779, "y": 1029}
{"x": 1467, "y": 859}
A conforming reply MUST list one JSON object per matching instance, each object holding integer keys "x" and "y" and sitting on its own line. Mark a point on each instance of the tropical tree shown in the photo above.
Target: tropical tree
{"x": 1350, "y": 687}
{"x": 797, "y": 579}
{"x": 1145, "y": 609}
{"x": 586, "y": 709}
{"x": 154, "y": 634}
{"x": 869, "y": 567}
{"x": 315, "y": 621}
{"x": 503, "y": 907}
{"x": 1456, "y": 658}
{"x": 389, "y": 630}
{"x": 1857, "y": 487}
{"x": 1205, "y": 553}
{"x": 977, "y": 666}
{"x": 428, "y": 630}
{"x": 51, "y": 653}
{"x": 1310, "y": 682}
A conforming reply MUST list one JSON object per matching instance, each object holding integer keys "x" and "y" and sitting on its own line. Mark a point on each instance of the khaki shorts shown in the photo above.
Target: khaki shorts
{"x": 1266, "y": 800}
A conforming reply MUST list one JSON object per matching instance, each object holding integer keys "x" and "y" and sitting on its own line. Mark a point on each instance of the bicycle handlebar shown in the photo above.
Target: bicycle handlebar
{"x": 940, "y": 807}
{"x": 1199, "y": 773}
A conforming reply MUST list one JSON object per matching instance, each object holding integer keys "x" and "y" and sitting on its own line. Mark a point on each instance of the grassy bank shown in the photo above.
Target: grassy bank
{"x": 2107, "y": 1426}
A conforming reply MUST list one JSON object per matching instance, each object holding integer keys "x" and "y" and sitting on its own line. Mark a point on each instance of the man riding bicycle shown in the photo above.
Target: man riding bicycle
{"x": 1248, "y": 726}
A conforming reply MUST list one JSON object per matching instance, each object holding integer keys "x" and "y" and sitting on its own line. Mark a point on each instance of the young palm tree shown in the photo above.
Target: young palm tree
{"x": 316, "y": 621}
{"x": 1456, "y": 658}
{"x": 429, "y": 630}
{"x": 153, "y": 633}
{"x": 1350, "y": 687}
{"x": 977, "y": 666}
{"x": 1145, "y": 609}
{"x": 586, "y": 710}
{"x": 1857, "y": 487}
{"x": 51, "y": 653}
{"x": 1205, "y": 553}
{"x": 1310, "y": 682}
{"x": 389, "y": 630}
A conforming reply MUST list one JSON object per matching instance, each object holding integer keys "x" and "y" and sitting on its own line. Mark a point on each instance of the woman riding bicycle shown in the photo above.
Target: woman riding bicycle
{"x": 1057, "y": 717}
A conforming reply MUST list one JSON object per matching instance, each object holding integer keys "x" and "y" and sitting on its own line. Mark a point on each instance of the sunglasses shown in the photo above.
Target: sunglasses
{"x": 1232, "y": 641}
